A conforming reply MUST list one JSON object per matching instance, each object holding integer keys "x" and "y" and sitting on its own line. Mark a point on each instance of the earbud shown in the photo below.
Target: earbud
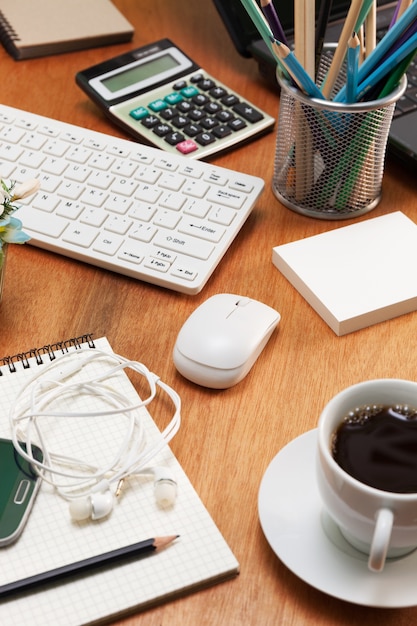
{"x": 96, "y": 506}
{"x": 165, "y": 486}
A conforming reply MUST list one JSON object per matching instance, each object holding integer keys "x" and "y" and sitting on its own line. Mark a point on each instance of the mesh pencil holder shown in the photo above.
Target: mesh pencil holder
{"x": 329, "y": 158}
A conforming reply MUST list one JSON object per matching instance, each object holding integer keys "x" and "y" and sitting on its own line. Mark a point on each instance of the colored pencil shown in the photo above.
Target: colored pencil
{"x": 273, "y": 20}
{"x": 352, "y": 68}
{"x": 341, "y": 50}
{"x": 259, "y": 20}
{"x": 410, "y": 46}
{"x": 384, "y": 48}
{"x": 296, "y": 70}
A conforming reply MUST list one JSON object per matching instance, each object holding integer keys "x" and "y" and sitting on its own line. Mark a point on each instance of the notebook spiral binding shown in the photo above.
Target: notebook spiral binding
{"x": 48, "y": 350}
{"x": 7, "y": 32}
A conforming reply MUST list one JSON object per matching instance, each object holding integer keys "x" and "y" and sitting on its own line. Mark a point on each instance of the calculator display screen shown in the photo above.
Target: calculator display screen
{"x": 140, "y": 72}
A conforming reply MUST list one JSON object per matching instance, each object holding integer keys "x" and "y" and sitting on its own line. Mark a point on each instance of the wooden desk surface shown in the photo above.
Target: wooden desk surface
{"x": 227, "y": 438}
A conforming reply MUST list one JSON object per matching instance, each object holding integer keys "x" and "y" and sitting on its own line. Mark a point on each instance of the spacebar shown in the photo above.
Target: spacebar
{"x": 42, "y": 222}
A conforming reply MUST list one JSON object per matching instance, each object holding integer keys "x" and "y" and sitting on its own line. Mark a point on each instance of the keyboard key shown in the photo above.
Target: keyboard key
{"x": 157, "y": 264}
{"x": 184, "y": 272}
{"x": 190, "y": 246}
{"x": 203, "y": 229}
{"x": 94, "y": 217}
{"x": 35, "y": 221}
{"x": 143, "y": 232}
{"x": 227, "y": 197}
{"x": 108, "y": 244}
{"x": 80, "y": 235}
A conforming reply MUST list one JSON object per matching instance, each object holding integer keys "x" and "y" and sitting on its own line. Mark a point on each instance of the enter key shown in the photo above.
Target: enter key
{"x": 202, "y": 229}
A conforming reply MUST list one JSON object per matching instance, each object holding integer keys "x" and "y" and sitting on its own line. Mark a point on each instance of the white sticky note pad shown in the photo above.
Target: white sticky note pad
{"x": 357, "y": 275}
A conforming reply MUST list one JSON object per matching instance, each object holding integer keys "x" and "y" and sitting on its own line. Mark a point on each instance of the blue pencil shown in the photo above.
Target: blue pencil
{"x": 383, "y": 48}
{"x": 385, "y": 68}
{"x": 352, "y": 68}
{"x": 296, "y": 70}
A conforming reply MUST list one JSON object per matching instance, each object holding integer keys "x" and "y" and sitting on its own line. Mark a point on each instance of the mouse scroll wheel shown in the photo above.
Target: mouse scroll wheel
{"x": 243, "y": 301}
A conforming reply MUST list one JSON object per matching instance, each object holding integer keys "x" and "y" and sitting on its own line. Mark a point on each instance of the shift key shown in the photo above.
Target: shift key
{"x": 190, "y": 246}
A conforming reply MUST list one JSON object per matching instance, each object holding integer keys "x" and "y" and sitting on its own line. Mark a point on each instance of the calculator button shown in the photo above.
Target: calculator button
{"x": 173, "y": 98}
{"x": 204, "y": 139}
{"x": 180, "y": 84}
{"x": 196, "y": 115}
{"x": 158, "y": 105}
{"x": 150, "y": 121}
{"x": 212, "y": 108}
{"x": 168, "y": 113}
{"x": 174, "y": 138}
{"x": 161, "y": 129}
{"x": 222, "y": 131}
{"x": 237, "y": 124}
{"x": 224, "y": 116}
{"x": 185, "y": 106}
{"x": 196, "y": 78}
{"x": 192, "y": 129}
{"x": 248, "y": 112}
{"x": 200, "y": 99}
{"x": 189, "y": 92}
{"x": 209, "y": 122}
{"x": 218, "y": 92}
{"x": 229, "y": 100}
{"x": 187, "y": 146}
{"x": 180, "y": 121}
{"x": 206, "y": 83}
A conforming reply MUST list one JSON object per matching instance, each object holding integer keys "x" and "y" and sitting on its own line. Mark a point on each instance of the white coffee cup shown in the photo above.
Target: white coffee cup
{"x": 379, "y": 523}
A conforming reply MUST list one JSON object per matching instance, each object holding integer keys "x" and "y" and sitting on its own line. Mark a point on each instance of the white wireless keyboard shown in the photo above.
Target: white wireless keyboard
{"x": 121, "y": 205}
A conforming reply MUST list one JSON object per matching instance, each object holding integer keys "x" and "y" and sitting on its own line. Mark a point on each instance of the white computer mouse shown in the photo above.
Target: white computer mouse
{"x": 221, "y": 340}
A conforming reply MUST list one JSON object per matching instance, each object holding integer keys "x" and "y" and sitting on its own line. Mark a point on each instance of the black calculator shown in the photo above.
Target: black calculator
{"x": 163, "y": 98}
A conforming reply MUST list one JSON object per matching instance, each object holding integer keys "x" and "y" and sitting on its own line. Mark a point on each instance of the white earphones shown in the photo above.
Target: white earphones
{"x": 100, "y": 504}
{"x": 96, "y": 506}
{"x": 87, "y": 486}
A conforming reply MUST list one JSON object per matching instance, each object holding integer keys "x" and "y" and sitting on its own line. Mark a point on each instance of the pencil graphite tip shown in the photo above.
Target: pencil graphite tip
{"x": 354, "y": 41}
{"x": 280, "y": 47}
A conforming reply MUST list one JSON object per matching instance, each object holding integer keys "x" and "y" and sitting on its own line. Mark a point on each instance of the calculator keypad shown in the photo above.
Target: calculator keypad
{"x": 195, "y": 116}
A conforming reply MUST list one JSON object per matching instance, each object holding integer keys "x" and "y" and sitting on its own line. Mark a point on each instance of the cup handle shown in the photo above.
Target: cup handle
{"x": 380, "y": 540}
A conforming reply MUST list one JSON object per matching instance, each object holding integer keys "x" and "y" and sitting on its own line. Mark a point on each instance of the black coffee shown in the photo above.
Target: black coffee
{"x": 378, "y": 446}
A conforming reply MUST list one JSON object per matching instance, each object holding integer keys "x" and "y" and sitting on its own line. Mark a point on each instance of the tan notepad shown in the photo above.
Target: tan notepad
{"x": 31, "y": 28}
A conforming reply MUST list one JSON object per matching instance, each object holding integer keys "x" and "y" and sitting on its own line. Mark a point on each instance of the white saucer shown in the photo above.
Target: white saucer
{"x": 311, "y": 545}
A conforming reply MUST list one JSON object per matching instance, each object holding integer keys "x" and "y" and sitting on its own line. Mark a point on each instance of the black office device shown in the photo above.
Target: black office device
{"x": 403, "y": 134}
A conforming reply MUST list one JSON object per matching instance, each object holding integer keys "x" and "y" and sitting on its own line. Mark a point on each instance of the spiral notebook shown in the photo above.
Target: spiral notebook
{"x": 198, "y": 558}
{"x": 33, "y": 28}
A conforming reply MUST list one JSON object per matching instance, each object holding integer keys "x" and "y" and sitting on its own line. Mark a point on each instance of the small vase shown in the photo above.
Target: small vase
{"x": 3, "y": 270}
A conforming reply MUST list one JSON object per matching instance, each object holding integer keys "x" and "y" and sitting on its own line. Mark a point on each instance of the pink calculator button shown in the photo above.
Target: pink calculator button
{"x": 186, "y": 146}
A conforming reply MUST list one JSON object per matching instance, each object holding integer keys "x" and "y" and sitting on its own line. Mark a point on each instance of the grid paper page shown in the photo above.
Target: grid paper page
{"x": 200, "y": 556}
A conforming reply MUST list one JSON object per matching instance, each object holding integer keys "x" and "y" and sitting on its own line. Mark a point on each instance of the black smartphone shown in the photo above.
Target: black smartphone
{"x": 19, "y": 484}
